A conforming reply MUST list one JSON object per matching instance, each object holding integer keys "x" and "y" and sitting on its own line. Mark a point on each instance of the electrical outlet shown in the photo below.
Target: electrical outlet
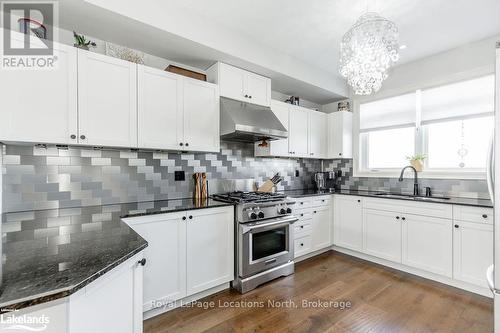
{"x": 339, "y": 173}
{"x": 297, "y": 173}
{"x": 179, "y": 176}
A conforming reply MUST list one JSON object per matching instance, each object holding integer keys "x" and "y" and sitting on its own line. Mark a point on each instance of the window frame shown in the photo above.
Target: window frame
{"x": 360, "y": 142}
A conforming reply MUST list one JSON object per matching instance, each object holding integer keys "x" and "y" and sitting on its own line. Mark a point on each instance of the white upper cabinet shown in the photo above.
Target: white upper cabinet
{"x": 107, "y": 100}
{"x": 160, "y": 109}
{"x": 340, "y": 134}
{"x": 40, "y": 106}
{"x": 258, "y": 89}
{"x": 201, "y": 116}
{"x": 177, "y": 113}
{"x": 298, "y": 134}
{"x": 318, "y": 141}
{"x": 241, "y": 85}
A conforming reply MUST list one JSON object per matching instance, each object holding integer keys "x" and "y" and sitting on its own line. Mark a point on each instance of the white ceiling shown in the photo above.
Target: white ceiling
{"x": 294, "y": 42}
{"x": 312, "y": 30}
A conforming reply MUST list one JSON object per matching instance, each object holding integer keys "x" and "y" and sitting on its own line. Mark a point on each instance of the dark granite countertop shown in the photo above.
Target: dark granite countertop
{"x": 49, "y": 254}
{"x": 452, "y": 200}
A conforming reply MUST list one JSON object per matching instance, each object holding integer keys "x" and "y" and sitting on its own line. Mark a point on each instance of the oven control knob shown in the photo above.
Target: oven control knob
{"x": 261, "y": 215}
{"x": 289, "y": 211}
{"x": 253, "y": 216}
{"x": 282, "y": 211}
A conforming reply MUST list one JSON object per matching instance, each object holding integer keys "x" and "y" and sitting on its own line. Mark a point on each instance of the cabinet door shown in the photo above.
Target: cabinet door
{"x": 317, "y": 134}
{"x": 298, "y": 132}
{"x": 280, "y": 147}
{"x": 165, "y": 272}
{"x": 427, "y": 243}
{"x": 210, "y": 248}
{"x": 232, "y": 82}
{"x": 108, "y": 303}
{"x": 160, "y": 121}
{"x": 107, "y": 100}
{"x": 201, "y": 116}
{"x": 40, "y": 106}
{"x": 321, "y": 227}
{"x": 340, "y": 135}
{"x": 382, "y": 234}
{"x": 258, "y": 89}
{"x": 472, "y": 252}
{"x": 348, "y": 222}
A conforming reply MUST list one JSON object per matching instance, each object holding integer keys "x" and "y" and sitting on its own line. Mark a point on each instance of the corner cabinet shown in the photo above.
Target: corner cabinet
{"x": 340, "y": 134}
{"x": 176, "y": 113}
{"x": 189, "y": 252}
{"x": 41, "y": 105}
{"x": 239, "y": 84}
{"x": 107, "y": 100}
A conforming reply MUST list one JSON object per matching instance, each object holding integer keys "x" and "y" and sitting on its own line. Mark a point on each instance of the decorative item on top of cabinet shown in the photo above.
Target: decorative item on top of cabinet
{"x": 82, "y": 42}
{"x": 186, "y": 72}
{"x": 340, "y": 134}
{"x": 124, "y": 53}
{"x": 239, "y": 84}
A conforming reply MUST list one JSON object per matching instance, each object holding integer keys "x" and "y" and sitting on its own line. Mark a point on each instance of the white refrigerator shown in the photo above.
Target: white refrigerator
{"x": 493, "y": 172}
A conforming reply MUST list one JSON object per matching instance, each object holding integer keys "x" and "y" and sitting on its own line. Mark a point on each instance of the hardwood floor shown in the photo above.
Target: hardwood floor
{"x": 383, "y": 300}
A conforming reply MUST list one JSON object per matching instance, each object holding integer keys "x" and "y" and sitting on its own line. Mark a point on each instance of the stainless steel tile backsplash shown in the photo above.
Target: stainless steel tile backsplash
{"x": 471, "y": 188}
{"x": 44, "y": 178}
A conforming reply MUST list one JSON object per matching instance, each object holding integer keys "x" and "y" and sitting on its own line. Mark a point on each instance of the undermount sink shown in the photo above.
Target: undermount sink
{"x": 409, "y": 196}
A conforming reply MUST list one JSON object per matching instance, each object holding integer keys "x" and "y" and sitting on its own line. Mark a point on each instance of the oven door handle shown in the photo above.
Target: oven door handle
{"x": 278, "y": 223}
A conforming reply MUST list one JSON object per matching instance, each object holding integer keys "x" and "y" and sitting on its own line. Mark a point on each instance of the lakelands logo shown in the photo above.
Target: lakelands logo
{"x": 24, "y": 322}
{"x": 29, "y": 30}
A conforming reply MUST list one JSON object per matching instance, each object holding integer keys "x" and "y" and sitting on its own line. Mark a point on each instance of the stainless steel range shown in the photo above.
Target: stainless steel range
{"x": 264, "y": 237}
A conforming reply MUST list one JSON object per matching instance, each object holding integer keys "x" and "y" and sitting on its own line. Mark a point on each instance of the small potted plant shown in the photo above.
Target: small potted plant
{"x": 417, "y": 161}
{"x": 82, "y": 42}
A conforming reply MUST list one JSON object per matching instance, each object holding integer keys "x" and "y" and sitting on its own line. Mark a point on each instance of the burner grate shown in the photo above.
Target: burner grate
{"x": 243, "y": 197}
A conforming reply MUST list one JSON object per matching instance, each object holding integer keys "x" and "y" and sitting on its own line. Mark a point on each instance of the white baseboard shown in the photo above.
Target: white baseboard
{"x": 431, "y": 276}
{"x": 174, "y": 305}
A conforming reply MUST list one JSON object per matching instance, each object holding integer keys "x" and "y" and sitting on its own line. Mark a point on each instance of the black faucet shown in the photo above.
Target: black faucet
{"x": 415, "y": 179}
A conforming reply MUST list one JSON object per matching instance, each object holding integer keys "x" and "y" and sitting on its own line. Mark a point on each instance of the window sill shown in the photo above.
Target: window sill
{"x": 477, "y": 175}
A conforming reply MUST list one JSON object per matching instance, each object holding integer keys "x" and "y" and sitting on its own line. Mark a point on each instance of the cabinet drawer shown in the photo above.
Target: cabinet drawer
{"x": 390, "y": 205}
{"x": 321, "y": 201}
{"x": 473, "y": 214}
{"x": 410, "y": 207}
{"x": 303, "y": 214}
{"x": 301, "y": 203}
{"x": 302, "y": 227}
{"x": 302, "y": 245}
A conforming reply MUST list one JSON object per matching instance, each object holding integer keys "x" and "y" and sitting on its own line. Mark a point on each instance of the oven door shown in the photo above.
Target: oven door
{"x": 265, "y": 245}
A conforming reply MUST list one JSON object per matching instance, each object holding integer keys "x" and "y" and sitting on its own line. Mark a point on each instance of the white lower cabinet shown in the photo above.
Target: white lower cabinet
{"x": 321, "y": 227}
{"x": 312, "y": 232}
{"x": 111, "y": 303}
{"x": 210, "y": 249}
{"x": 452, "y": 241}
{"x": 472, "y": 251}
{"x": 348, "y": 222}
{"x": 189, "y": 252}
{"x": 165, "y": 274}
{"x": 427, "y": 244}
{"x": 382, "y": 234}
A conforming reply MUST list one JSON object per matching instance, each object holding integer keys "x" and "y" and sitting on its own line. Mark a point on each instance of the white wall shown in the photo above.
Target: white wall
{"x": 467, "y": 61}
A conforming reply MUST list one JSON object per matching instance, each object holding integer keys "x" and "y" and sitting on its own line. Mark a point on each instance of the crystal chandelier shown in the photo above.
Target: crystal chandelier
{"x": 367, "y": 51}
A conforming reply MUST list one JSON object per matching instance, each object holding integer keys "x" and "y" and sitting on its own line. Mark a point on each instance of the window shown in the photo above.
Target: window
{"x": 451, "y": 125}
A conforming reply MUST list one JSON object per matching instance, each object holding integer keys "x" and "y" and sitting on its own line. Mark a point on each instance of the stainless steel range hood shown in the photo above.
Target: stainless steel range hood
{"x": 245, "y": 122}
